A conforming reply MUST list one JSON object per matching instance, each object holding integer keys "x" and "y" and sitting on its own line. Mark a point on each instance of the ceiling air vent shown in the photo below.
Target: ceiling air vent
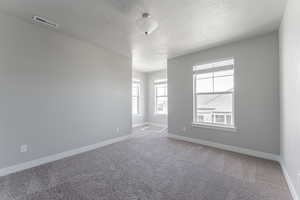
{"x": 44, "y": 21}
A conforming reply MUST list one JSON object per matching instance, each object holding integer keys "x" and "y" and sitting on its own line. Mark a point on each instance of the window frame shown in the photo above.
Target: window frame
{"x": 138, "y": 96}
{"x": 156, "y": 83}
{"x": 213, "y": 125}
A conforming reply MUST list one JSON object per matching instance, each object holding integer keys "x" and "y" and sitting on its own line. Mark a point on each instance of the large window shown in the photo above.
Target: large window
{"x": 161, "y": 97}
{"x": 214, "y": 93}
{"x": 136, "y": 87}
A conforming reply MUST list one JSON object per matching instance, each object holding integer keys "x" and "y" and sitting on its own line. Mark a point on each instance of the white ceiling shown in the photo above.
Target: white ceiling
{"x": 184, "y": 25}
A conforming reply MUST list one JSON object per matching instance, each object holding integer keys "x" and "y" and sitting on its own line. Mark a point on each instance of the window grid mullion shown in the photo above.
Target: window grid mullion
{"x": 212, "y": 93}
{"x": 162, "y": 96}
{"x": 215, "y": 77}
{"x": 162, "y": 86}
{"x": 213, "y": 115}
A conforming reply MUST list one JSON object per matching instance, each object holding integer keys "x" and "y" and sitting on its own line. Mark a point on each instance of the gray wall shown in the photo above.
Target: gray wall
{"x": 57, "y": 93}
{"x": 256, "y": 96}
{"x": 141, "y": 118}
{"x": 290, "y": 90}
{"x": 152, "y": 117}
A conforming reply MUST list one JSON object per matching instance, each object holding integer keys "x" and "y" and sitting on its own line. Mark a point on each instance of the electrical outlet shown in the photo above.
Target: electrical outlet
{"x": 118, "y": 130}
{"x": 23, "y": 148}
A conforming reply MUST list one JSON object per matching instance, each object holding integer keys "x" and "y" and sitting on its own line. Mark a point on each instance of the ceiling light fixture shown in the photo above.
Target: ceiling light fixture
{"x": 146, "y": 24}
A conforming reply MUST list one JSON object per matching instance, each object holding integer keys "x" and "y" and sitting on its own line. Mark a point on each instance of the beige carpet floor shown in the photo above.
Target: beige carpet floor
{"x": 150, "y": 166}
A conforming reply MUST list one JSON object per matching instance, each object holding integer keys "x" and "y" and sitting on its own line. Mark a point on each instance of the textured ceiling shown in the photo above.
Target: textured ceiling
{"x": 184, "y": 25}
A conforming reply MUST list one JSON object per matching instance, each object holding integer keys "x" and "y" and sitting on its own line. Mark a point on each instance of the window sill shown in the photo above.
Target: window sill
{"x": 160, "y": 114}
{"x": 216, "y": 127}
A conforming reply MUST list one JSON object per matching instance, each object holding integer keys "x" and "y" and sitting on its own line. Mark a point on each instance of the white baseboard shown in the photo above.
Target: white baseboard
{"x": 157, "y": 124}
{"x": 149, "y": 123}
{"x": 138, "y": 125}
{"x": 249, "y": 152}
{"x": 289, "y": 181}
{"x": 47, "y": 159}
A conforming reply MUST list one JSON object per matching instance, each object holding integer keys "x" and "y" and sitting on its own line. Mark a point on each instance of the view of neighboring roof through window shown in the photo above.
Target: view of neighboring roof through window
{"x": 213, "y": 93}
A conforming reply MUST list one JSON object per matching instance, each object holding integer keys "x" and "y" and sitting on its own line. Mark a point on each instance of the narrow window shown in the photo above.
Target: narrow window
{"x": 136, "y": 87}
{"x": 161, "y": 97}
{"x": 213, "y": 93}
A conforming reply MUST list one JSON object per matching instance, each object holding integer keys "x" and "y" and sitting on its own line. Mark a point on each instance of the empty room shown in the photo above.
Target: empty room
{"x": 149, "y": 100}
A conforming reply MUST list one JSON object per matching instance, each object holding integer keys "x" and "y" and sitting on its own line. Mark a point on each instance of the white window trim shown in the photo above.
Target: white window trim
{"x": 138, "y": 82}
{"x": 216, "y": 126}
{"x": 159, "y": 82}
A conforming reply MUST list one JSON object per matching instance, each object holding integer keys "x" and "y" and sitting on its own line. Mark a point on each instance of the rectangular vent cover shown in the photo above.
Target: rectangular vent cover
{"x": 44, "y": 21}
